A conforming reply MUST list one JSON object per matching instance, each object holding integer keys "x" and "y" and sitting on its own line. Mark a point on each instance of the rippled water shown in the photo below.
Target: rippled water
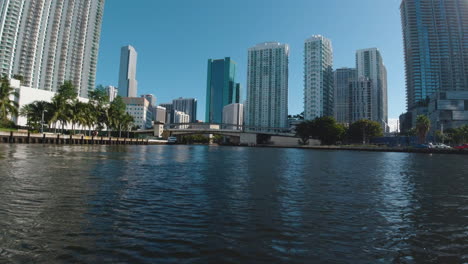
{"x": 198, "y": 204}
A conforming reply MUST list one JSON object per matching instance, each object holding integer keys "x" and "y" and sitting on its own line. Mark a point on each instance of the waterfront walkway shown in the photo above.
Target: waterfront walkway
{"x": 49, "y": 138}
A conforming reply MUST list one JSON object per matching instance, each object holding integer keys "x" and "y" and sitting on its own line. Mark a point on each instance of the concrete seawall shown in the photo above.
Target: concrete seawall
{"x": 30, "y": 138}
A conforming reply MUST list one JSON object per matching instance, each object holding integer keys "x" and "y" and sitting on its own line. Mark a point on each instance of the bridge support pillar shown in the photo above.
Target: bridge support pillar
{"x": 249, "y": 139}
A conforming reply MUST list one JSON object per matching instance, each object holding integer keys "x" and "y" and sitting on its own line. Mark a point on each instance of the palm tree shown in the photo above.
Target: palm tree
{"x": 8, "y": 107}
{"x": 34, "y": 113}
{"x": 423, "y": 124}
{"x": 126, "y": 123}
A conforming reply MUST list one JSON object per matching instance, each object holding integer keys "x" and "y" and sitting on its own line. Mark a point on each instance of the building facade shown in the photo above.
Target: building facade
{"x": 318, "y": 77}
{"x": 48, "y": 42}
{"x": 343, "y": 79}
{"x": 267, "y": 86}
{"x": 369, "y": 64}
{"x": 181, "y": 117}
{"x": 169, "y": 112}
{"x": 221, "y": 88}
{"x": 160, "y": 116}
{"x": 186, "y": 105}
{"x": 111, "y": 92}
{"x": 233, "y": 116}
{"x": 151, "y": 99}
{"x": 139, "y": 109}
{"x": 128, "y": 85}
{"x": 448, "y": 110}
{"x": 360, "y": 103}
{"x": 436, "y": 47}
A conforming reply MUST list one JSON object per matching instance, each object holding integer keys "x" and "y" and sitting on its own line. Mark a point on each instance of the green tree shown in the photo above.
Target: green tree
{"x": 423, "y": 124}
{"x": 327, "y": 130}
{"x": 364, "y": 130}
{"x": 34, "y": 113}
{"x": 115, "y": 115}
{"x": 61, "y": 106}
{"x": 8, "y": 106}
{"x": 303, "y": 131}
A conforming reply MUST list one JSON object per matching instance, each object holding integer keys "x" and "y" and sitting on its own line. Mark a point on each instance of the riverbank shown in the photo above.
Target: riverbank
{"x": 376, "y": 149}
{"x": 58, "y": 139}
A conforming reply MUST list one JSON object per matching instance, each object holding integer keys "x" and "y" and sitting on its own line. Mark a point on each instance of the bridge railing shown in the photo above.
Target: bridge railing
{"x": 230, "y": 127}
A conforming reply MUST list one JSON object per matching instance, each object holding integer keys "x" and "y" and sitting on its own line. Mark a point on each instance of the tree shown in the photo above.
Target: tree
{"x": 116, "y": 113}
{"x": 8, "y": 106}
{"x": 325, "y": 129}
{"x": 100, "y": 105}
{"x": 34, "y": 113}
{"x": 303, "y": 131}
{"x": 61, "y": 104}
{"x": 423, "y": 124}
{"x": 364, "y": 130}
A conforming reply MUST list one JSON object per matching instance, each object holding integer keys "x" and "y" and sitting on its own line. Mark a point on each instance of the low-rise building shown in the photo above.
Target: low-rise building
{"x": 139, "y": 109}
{"x": 160, "y": 114}
{"x": 448, "y": 110}
{"x": 233, "y": 116}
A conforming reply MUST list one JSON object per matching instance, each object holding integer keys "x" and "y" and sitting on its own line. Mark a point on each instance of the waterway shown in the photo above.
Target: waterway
{"x": 202, "y": 204}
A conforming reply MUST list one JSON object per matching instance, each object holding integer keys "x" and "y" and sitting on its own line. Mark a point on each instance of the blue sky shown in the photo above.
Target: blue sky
{"x": 174, "y": 39}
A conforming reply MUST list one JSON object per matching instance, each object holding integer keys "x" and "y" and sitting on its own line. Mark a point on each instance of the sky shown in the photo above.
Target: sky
{"x": 174, "y": 39}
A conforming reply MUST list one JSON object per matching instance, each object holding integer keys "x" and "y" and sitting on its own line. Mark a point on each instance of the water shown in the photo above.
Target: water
{"x": 198, "y": 204}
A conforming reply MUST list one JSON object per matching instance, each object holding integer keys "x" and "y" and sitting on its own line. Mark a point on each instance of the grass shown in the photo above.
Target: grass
{"x": 7, "y": 129}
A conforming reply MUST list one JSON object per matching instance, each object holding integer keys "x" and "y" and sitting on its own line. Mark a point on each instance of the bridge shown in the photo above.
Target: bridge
{"x": 240, "y": 134}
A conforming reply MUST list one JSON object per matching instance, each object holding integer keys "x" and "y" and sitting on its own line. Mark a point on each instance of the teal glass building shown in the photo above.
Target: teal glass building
{"x": 221, "y": 88}
{"x": 435, "y": 38}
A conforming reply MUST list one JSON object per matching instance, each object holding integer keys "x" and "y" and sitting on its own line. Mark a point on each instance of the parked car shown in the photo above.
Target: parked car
{"x": 172, "y": 140}
{"x": 464, "y": 146}
{"x": 439, "y": 146}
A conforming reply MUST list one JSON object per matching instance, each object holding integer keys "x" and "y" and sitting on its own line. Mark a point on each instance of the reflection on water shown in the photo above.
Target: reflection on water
{"x": 198, "y": 204}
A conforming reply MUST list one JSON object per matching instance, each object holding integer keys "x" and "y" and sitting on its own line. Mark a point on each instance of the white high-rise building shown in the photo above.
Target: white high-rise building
{"x": 267, "y": 86}
{"x": 128, "y": 85}
{"x": 186, "y": 105}
{"x": 48, "y": 42}
{"x": 369, "y": 64}
{"x": 111, "y": 92}
{"x": 233, "y": 116}
{"x": 318, "y": 77}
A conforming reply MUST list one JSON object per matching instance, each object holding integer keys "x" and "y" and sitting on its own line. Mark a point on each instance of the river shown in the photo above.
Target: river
{"x": 202, "y": 204}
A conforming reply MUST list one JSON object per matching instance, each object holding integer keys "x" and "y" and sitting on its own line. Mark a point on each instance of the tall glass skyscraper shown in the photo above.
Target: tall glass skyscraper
{"x": 221, "y": 89}
{"x": 318, "y": 78}
{"x": 128, "y": 84}
{"x": 436, "y": 47}
{"x": 267, "y": 86}
{"x": 369, "y": 64}
{"x": 48, "y": 42}
{"x": 343, "y": 79}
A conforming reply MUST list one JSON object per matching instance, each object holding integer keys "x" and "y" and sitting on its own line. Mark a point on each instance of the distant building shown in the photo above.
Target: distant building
{"x": 128, "y": 84}
{"x": 111, "y": 92}
{"x": 267, "y": 86}
{"x": 369, "y": 64}
{"x": 233, "y": 114}
{"x": 448, "y": 110}
{"x": 221, "y": 89}
{"x": 139, "y": 109}
{"x": 181, "y": 117}
{"x": 343, "y": 79}
{"x": 318, "y": 77}
{"x": 360, "y": 106}
{"x": 151, "y": 99}
{"x": 186, "y": 105}
{"x": 160, "y": 114}
{"x": 169, "y": 112}
{"x": 48, "y": 42}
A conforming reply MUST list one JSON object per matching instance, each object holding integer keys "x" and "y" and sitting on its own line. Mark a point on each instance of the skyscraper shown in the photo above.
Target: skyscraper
{"x": 436, "y": 47}
{"x": 360, "y": 103}
{"x": 169, "y": 112}
{"x": 318, "y": 77}
{"x": 186, "y": 105}
{"x": 221, "y": 89}
{"x": 128, "y": 84}
{"x": 151, "y": 99}
{"x": 267, "y": 86}
{"x": 48, "y": 42}
{"x": 343, "y": 78}
{"x": 369, "y": 64}
{"x": 111, "y": 92}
